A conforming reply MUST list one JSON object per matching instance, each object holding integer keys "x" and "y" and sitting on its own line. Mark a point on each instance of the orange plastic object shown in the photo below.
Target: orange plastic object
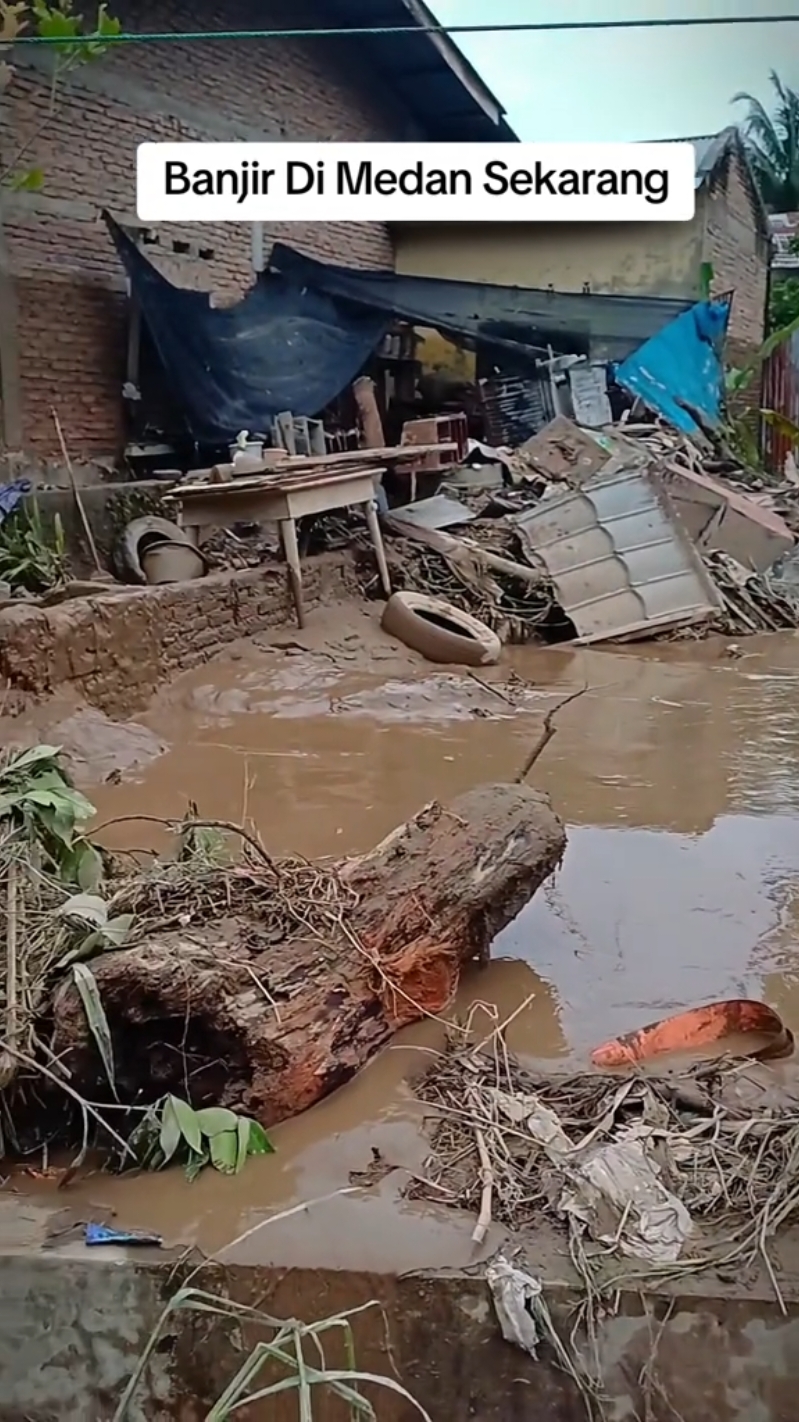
{"x": 702, "y": 1027}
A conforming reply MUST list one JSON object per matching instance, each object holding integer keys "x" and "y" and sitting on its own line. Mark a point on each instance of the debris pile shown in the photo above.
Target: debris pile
{"x": 680, "y": 1173}
{"x": 515, "y": 607}
{"x": 536, "y": 558}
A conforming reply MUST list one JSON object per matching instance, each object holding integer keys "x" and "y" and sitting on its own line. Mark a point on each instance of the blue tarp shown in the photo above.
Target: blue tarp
{"x": 680, "y": 370}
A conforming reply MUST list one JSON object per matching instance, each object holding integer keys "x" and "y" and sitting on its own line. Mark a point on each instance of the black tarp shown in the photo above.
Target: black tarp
{"x": 234, "y": 368}
{"x": 521, "y": 318}
{"x": 306, "y": 329}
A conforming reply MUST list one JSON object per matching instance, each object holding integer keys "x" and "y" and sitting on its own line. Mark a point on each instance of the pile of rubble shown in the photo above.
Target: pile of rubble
{"x": 628, "y": 532}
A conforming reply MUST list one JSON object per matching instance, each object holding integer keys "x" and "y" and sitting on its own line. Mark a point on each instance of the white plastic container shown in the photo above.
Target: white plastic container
{"x": 246, "y": 457}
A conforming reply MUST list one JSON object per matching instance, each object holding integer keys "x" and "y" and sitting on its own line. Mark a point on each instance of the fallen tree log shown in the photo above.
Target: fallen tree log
{"x": 215, "y": 1009}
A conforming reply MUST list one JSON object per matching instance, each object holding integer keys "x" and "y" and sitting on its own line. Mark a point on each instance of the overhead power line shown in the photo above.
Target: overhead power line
{"x": 373, "y": 31}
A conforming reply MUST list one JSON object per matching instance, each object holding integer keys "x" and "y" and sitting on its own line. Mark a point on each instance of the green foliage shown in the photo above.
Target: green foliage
{"x": 39, "y": 802}
{"x": 29, "y": 557}
{"x": 74, "y": 42}
{"x": 772, "y": 141}
{"x": 739, "y": 380}
{"x": 783, "y": 300}
{"x": 173, "y": 1131}
{"x": 742, "y": 424}
{"x": 89, "y": 910}
{"x": 286, "y": 1345}
{"x": 59, "y": 23}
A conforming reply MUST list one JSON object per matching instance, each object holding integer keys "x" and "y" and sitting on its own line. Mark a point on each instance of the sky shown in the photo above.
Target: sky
{"x": 626, "y": 85}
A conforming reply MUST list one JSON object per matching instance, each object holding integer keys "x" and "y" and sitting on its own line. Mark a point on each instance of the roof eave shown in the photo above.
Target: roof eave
{"x": 463, "y": 70}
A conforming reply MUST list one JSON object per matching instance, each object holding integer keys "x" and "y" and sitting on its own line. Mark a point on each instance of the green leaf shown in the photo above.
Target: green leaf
{"x": 195, "y": 1163}
{"x": 243, "y": 1139}
{"x": 188, "y": 1123}
{"x": 65, "y": 802}
{"x": 143, "y": 1139}
{"x": 259, "y": 1142}
{"x": 89, "y": 992}
{"x": 171, "y": 1134}
{"x": 213, "y": 1120}
{"x": 90, "y": 946}
{"x": 62, "y": 826}
{"x": 224, "y": 1147}
{"x": 86, "y": 908}
{"x": 90, "y": 871}
{"x": 34, "y": 756}
{"x": 30, "y": 182}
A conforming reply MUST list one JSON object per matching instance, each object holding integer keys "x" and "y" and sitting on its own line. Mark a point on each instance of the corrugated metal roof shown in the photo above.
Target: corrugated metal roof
{"x": 711, "y": 149}
{"x": 433, "y": 79}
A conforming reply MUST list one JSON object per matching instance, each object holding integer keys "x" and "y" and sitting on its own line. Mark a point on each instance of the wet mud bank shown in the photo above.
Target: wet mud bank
{"x": 116, "y": 649}
{"x": 72, "y": 1331}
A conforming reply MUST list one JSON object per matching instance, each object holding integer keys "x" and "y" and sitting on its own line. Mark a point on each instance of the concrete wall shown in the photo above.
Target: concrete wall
{"x": 115, "y": 649}
{"x": 72, "y": 319}
{"x": 637, "y": 259}
{"x": 660, "y": 259}
{"x": 70, "y": 1331}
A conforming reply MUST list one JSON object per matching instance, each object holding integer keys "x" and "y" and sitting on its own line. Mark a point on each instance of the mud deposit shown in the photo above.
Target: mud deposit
{"x": 677, "y": 773}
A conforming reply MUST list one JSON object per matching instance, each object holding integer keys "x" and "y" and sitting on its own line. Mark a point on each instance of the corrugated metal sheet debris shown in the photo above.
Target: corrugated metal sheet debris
{"x": 619, "y": 560}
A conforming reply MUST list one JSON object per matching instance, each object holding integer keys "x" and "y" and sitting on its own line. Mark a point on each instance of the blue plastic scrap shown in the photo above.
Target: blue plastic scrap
{"x": 102, "y": 1234}
{"x": 679, "y": 372}
{"x": 11, "y": 495}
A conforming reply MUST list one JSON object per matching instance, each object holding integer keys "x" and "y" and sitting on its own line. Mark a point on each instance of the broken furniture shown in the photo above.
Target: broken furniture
{"x": 283, "y": 499}
{"x": 432, "y": 441}
{"x": 722, "y": 519}
{"x": 298, "y": 435}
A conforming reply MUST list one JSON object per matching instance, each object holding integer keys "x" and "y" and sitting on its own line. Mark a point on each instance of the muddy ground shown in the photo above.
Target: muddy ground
{"x": 676, "y": 773}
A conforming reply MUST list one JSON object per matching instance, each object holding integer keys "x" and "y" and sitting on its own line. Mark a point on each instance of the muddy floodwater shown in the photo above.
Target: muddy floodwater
{"x": 677, "y": 773}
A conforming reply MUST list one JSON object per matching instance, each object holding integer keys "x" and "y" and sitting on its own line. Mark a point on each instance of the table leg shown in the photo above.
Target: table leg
{"x": 377, "y": 539}
{"x": 288, "y": 534}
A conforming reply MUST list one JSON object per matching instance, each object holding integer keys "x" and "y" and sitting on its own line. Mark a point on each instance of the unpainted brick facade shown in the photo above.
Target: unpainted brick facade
{"x": 737, "y": 246}
{"x": 69, "y": 284}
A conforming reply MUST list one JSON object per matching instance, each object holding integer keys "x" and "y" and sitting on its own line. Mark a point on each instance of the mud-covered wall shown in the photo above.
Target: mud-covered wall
{"x": 114, "y": 650}
{"x": 70, "y": 1332}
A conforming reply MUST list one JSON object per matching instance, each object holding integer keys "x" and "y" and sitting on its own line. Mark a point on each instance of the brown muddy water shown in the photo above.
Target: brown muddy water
{"x": 677, "y": 773}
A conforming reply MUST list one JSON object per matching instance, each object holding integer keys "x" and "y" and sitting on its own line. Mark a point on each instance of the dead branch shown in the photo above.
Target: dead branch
{"x": 546, "y": 735}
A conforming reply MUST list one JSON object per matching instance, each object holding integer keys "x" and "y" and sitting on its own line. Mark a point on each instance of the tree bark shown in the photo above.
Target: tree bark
{"x": 215, "y": 1016}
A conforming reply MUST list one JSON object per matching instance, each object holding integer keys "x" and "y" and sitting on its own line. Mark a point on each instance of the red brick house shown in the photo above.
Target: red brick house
{"x": 64, "y": 327}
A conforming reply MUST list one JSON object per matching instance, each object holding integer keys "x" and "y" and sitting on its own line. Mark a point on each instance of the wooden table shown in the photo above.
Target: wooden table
{"x": 283, "y": 499}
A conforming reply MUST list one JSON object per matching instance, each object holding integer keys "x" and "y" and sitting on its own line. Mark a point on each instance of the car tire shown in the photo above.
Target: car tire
{"x": 440, "y": 632}
{"x": 137, "y": 535}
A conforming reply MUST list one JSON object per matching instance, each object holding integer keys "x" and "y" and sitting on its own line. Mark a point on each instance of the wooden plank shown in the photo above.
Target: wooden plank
{"x": 237, "y": 488}
{"x": 391, "y": 454}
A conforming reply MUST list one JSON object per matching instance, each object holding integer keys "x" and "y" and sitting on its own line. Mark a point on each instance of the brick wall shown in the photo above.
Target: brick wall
{"x": 72, "y": 334}
{"x": 739, "y": 255}
{"x": 115, "y": 650}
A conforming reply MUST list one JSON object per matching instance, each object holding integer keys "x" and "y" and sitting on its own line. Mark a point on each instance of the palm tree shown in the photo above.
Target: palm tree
{"x": 772, "y": 141}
